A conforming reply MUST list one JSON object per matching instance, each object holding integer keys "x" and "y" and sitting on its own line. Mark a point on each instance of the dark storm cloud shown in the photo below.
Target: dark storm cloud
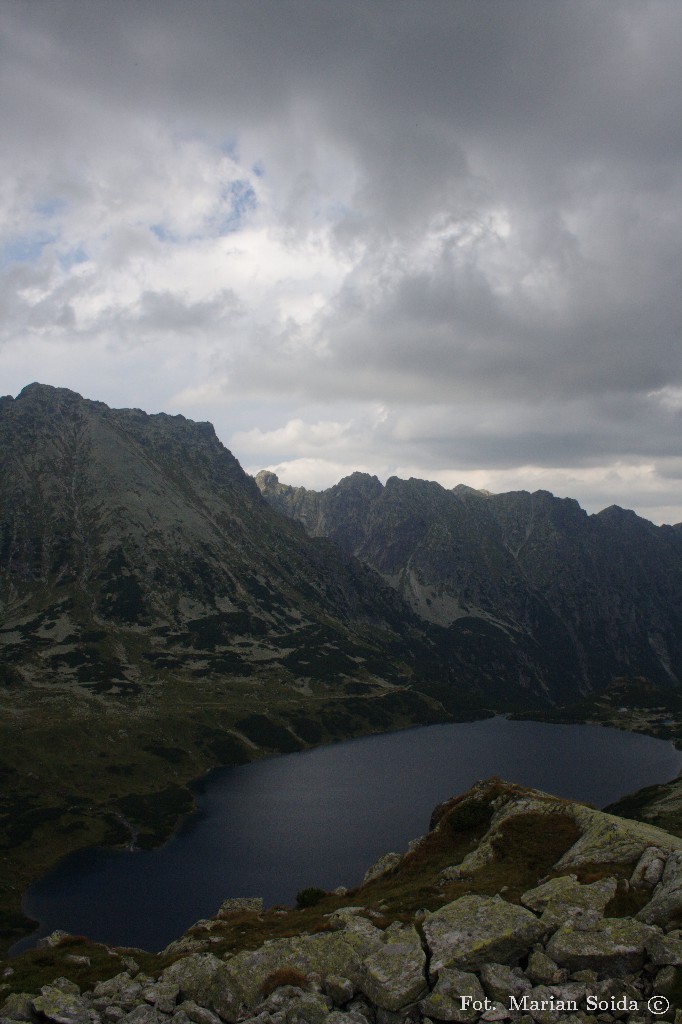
{"x": 497, "y": 187}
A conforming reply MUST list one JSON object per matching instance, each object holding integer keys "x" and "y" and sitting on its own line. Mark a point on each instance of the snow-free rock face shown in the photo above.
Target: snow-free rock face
{"x": 559, "y": 951}
{"x": 133, "y": 544}
{"x": 528, "y": 582}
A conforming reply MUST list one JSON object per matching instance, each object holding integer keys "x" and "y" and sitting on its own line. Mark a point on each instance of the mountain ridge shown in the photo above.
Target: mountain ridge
{"x": 601, "y": 590}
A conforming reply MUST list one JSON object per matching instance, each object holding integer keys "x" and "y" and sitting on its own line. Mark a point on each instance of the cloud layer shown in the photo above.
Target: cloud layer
{"x": 437, "y": 239}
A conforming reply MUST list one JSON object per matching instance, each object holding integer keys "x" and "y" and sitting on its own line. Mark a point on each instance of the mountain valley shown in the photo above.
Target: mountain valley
{"x": 164, "y": 614}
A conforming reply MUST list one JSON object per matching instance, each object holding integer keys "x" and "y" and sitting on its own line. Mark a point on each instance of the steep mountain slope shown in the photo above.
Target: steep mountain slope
{"x": 133, "y": 544}
{"x": 157, "y": 619}
{"x": 527, "y": 585}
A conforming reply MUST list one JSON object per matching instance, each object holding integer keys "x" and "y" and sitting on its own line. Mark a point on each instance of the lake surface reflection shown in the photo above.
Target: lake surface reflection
{"x": 321, "y": 817}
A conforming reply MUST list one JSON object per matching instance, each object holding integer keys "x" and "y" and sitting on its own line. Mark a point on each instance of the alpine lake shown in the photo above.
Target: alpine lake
{"x": 322, "y": 817}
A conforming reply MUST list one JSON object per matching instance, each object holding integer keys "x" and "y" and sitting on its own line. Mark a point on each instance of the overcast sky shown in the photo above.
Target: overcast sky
{"x": 433, "y": 238}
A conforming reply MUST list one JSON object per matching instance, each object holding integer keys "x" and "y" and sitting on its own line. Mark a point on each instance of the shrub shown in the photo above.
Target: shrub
{"x": 309, "y": 897}
{"x": 469, "y": 816}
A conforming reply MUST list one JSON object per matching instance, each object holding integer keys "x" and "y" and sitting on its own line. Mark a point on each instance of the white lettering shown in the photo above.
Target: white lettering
{"x": 553, "y": 1005}
{"x": 480, "y": 1005}
{"x": 609, "y": 1005}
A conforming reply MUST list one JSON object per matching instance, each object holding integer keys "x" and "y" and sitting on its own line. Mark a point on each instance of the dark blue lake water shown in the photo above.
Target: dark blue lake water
{"x": 321, "y": 817}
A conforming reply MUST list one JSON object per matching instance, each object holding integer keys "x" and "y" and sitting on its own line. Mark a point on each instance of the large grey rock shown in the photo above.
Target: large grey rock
{"x": 307, "y": 1008}
{"x": 363, "y": 936}
{"x": 163, "y": 995}
{"x": 237, "y": 904}
{"x": 208, "y": 981}
{"x": 121, "y": 989}
{"x": 61, "y": 1007}
{"x": 144, "y": 1014}
{"x": 17, "y": 1006}
{"x": 666, "y": 950}
{"x": 198, "y": 1014}
{"x": 324, "y": 954}
{"x": 613, "y": 946}
{"x": 64, "y": 985}
{"x": 666, "y": 902}
{"x": 475, "y": 930}
{"x": 544, "y": 971}
{"x": 52, "y": 940}
{"x": 394, "y": 976}
{"x": 649, "y": 868}
{"x": 339, "y": 989}
{"x": 453, "y": 997}
{"x": 382, "y": 866}
{"x": 501, "y": 981}
{"x": 564, "y": 898}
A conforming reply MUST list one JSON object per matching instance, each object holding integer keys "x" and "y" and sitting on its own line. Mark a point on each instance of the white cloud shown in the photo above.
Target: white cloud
{"x": 286, "y": 218}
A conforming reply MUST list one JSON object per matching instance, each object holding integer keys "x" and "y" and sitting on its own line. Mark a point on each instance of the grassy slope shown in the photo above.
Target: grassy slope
{"x": 77, "y": 769}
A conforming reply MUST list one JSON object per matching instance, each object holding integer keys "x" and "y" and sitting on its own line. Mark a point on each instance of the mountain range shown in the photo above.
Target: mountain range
{"x": 526, "y": 589}
{"x": 162, "y": 613}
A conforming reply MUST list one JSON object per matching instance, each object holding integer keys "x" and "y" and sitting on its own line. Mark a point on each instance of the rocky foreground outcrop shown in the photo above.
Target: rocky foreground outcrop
{"x": 597, "y": 938}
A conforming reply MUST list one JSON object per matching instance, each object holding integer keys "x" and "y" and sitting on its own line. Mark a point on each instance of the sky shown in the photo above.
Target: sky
{"x": 430, "y": 238}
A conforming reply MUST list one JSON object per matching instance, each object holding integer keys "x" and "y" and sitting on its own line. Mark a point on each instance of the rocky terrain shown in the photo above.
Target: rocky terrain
{"x": 515, "y": 906}
{"x": 525, "y": 589}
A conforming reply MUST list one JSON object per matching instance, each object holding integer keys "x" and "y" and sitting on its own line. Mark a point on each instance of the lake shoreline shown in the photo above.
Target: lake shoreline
{"x": 500, "y": 731}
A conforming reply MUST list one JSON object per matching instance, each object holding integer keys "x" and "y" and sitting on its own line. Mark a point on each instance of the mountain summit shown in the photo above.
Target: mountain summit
{"x": 134, "y": 547}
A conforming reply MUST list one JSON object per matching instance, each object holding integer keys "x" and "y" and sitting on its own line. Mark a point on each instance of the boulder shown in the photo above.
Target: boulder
{"x": 324, "y": 954}
{"x": 121, "y": 989}
{"x": 394, "y": 976}
{"x": 238, "y": 904}
{"x": 564, "y": 898}
{"x": 144, "y": 1014}
{"x": 307, "y": 1008}
{"x": 649, "y": 868}
{"x": 500, "y": 981}
{"x": 475, "y": 930}
{"x": 17, "y": 1006}
{"x": 52, "y": 940}
{"x": 363, "y": 936}
{"x": 61, "y": 1007}
{"x": 198, "y": 1014}
{"x": 382, "y": 866}
{"x": 666, "y": 902}
{"x": 666, "y": 950}
{"x": 339, "y": 989}
{"x": 206, "y": 980}
{"x": 453, "y": 997}
{"x": 543, "y": 971}
{"x": 163, "y": 995}
{"x": 613, "y": 946}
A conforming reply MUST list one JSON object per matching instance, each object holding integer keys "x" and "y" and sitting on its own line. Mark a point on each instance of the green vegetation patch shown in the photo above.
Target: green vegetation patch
{"x": 224, "y": 747}
{"x": 156, "y": 814}
{"x": 266, "y": 733}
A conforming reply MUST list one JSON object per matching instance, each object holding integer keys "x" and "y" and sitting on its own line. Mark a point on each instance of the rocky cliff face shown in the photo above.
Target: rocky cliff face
{"x": 516, "y": 906}
{"x": 525, "y": 585}
{"x": 132, "y": 546}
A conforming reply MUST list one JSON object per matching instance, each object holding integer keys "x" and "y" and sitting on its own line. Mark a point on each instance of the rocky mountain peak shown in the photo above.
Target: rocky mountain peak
{"x": 565, "y": 600}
